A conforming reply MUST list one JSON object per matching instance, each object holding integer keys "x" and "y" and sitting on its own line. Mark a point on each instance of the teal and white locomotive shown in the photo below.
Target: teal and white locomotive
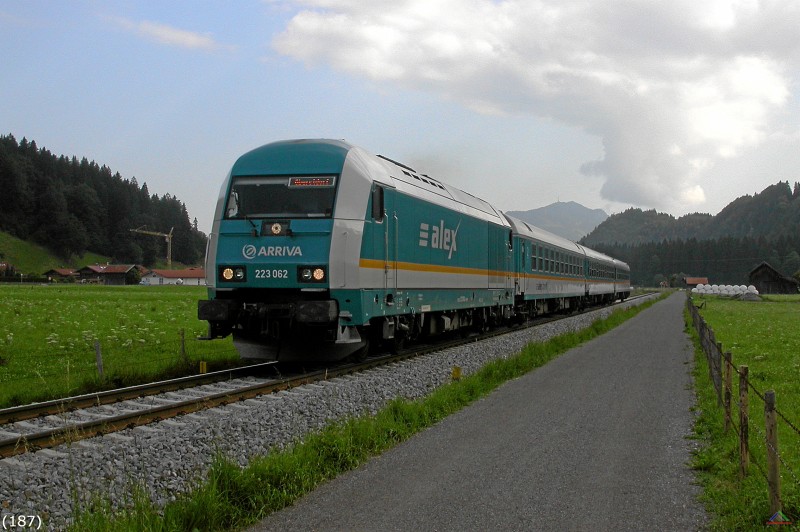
{"x": 320, "y": 250}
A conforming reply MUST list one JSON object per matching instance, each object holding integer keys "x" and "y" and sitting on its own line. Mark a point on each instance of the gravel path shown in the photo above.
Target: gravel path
{"x": 168, "y": 458}
{"x": 594, "y": 440}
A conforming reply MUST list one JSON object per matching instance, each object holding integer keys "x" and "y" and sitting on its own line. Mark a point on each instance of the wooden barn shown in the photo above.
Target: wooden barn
{"x": 768, "y": 280}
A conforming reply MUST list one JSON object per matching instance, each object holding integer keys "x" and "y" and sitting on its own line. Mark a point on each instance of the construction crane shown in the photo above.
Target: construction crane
{"x": 167, "y": 237}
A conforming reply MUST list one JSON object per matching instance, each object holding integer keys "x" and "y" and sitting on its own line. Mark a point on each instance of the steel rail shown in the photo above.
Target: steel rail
{"x": 59, "y": 406}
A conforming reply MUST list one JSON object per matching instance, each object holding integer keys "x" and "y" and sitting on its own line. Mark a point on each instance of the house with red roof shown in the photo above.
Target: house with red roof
{"x": 188, "y": 277}
{"x": 110, "y": 274}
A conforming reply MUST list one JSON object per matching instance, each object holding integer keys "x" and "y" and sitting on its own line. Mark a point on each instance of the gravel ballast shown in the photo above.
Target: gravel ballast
{"x": 170, "y": 457}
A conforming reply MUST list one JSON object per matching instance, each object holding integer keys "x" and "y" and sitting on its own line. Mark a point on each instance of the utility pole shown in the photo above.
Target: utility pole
{"x": 167, "y": 237}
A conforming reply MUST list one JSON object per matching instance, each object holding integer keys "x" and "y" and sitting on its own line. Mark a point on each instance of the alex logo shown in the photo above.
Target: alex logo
{"x": 439, "y": 237}
{"x": 249, "y": 251}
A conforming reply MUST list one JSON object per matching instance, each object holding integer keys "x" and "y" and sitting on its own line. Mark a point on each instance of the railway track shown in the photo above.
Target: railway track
{"x": 43, "y": 425}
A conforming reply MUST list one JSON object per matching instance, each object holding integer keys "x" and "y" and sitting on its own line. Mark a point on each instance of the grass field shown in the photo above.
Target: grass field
{"x": 765, "y": 337}
{"x": 48, "y": 334}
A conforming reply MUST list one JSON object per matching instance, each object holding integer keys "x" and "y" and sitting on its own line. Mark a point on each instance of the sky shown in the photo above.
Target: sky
{"x": 678, "y": 106}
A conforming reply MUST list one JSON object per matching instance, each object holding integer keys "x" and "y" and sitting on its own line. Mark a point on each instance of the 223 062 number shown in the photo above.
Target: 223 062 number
{"x": 272, "y": 274}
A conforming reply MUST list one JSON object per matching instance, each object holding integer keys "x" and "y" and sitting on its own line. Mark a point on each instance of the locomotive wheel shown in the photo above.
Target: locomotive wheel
{"x": 362, "y": 353}
{"x": 396, "y": 344}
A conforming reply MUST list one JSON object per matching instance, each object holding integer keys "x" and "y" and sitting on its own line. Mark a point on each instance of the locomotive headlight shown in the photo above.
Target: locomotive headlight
{"x": 236, "y": 274}
{"x": 311, "y": 274}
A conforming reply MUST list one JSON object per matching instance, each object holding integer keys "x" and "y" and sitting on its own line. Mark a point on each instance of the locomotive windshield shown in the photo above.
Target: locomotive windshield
{"x": 284, "y": 197}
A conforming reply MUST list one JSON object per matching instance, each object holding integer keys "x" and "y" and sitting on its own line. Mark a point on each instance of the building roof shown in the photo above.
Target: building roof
{"x": 697, "y": 280}
{"x": 63, "y": 272}
{"x": 188, "y": 273}
{"x": 107, "y": 268}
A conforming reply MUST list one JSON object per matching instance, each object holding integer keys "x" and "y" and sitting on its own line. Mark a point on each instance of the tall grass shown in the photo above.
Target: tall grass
{"x": 48, "y": 335}
{"x": 234, "y": 497}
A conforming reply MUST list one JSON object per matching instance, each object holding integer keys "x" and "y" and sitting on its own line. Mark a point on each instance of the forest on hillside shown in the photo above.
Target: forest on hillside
{"x": 72, "y": 206}
{"x": 764, "y": 227}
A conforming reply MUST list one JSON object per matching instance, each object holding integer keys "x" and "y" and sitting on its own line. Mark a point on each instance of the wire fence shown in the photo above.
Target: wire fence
{"x": 721, "y": 371}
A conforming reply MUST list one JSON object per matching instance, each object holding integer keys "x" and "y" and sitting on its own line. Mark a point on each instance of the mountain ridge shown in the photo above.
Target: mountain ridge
{"x": 567, "y": 219}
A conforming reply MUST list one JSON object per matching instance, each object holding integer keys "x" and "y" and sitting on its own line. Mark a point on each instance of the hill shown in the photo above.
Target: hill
{"x": 724, "y": 248}
{"x": 770, "y": 214}
{"x": 73, "y": 206}
{"x": 568, "y": 219}
{"x": 33, "y": 259}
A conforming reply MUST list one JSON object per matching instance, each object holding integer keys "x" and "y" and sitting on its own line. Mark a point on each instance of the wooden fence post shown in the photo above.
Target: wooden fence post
{"x": 183, "y": 347}
{"x": 744, "y": 429}
{"x": 773, "y": 460}
{"x": 728, "y": 389}
{"x": 718, "y": 371}
{"x": 98, "y": 355}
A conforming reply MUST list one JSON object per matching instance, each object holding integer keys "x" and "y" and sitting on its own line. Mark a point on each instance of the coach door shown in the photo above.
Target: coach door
{"x": 523, "y": 258}
{"x": 508, "y": 264}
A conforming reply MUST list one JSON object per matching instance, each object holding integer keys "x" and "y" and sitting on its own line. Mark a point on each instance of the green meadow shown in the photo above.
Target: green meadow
{"x": 765, "y": 336}
{"x": 48, "y": 335}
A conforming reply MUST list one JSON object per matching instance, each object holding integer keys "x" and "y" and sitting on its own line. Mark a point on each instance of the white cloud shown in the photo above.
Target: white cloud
{"x": 172, "y": 36}
{"x": 670, "y": 87}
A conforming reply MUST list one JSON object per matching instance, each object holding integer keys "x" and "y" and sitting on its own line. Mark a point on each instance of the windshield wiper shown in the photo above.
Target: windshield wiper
{"x": 255, "y": 227}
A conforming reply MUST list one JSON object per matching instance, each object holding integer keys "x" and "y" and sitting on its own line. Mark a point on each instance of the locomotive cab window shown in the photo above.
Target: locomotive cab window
{"x": 285, "y": 197}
